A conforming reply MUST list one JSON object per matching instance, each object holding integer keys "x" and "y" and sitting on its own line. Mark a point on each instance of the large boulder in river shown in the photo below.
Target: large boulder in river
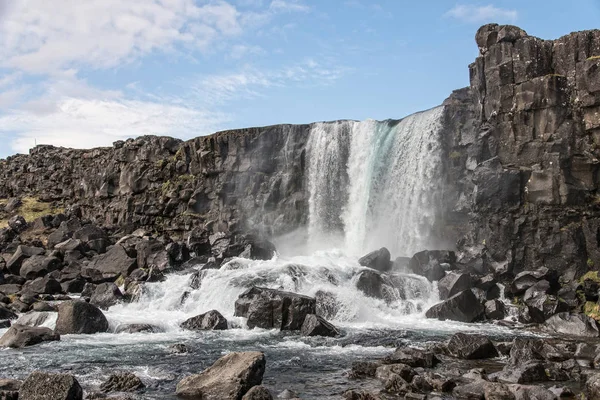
{"x": 463, "y": 307}
{"x": 453, "y": 283}
{"x": 229, "y": 378}
{"x": 378, "y": 259}
{"x": 80, "y": 317}
{"x": 47, "y": 386}
{"x": 106, "y": 295}
{"x": 573, "y": 325}
{"x": 18, "y": 336}
{"x": 271, "y": 308}
{"x": 211, "y": 320}
{"x": 317, "y": 326}
{"x": 471, "y": 347}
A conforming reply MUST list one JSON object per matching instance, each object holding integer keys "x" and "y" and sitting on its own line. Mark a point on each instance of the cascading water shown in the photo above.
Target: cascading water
{"x": 381, "y": 179}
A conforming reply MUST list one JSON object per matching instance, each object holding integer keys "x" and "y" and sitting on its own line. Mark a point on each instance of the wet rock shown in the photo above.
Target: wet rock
{"x": 258, "y": 392}
{"x": 412, "y": 357}
{"x": 35, "y": 318}
{"x": 5, "y": 313}
{"x": 573, "y": 325}
{"x": 463, "y": 307}
{"x": 363, "y": 369}
{"x": 379, "y": 260}
{"x": 178, "y": 348}
{"x": 317, "y": 326}
{"x": 471, "y": 347}
{"x": 122, "y": 382}
{"x": 385, "y": 372}
{"x": 371, "y": 284}
{"x": 439, "y": 382}
{"x": 42, "y": 306}
{"x": 526, "y": 350}
{"x": 211, "y": 320}
{"x": 138, "y": 328}
{"x": 19, "y": 336}
{"x": 327, "y": 304}
{"x": 494, "y": 309}
{"x": 525, "y": 372}
{"x": 106, "y": 295}
{"x": 80, "y": 317}
{"x": 429, "y": 263}
{"x": 4, "y": 323}
{"x": 270, "y": 308}
{"x": 9, "y": 389}
{"x": 230, "y": 377}
{"x": 453, "y": 283}
{"x": 46, "y": 386}
{"x": 13, "y": 265}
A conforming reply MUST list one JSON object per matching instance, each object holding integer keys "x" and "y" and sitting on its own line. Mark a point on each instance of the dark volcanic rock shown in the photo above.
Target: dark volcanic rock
{"x": 573, "y": 325}
{"x": 138, "y": 328}
{"x": 363, "y": 369}
{"x": 453, "y": 283}
{"x": 9, "y": 389}
{"x": 211, "y": 320}
{"x": 46, "y": 386}
{"x": 13, "y": 265}
{"x": 270, "y": 308}
{"x": 229, "y": 378}
{"x": 106, "y": 295}
{"x": 471, "y": 347}
{"x": 44, "y": 285}
{"x": 114, "y": 262}
{"x": 494, "y": 309}
{"x": 122, "y": 382}
{"x": 412, "y": 357}
{"x": 428, "y": 263}
{"x": 19, "y": 336}
{"x": 317, "y": 326}
{"x": 379, "y": 260}
{"x": 80, "y": 317}
{"x": 463, "y": 307}
{"x": 38, "y": 266}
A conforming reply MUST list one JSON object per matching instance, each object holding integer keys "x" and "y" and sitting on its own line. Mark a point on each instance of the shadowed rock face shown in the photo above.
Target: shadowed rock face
{"x": 520, "y": 161}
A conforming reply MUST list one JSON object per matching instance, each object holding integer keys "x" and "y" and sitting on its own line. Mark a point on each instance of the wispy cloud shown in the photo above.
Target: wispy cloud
{"x": 289, "y": 5}
{"x": 481, "y": 14}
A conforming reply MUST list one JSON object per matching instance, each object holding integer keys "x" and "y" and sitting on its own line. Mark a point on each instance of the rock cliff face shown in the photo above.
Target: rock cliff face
{"x": 521, "y": 149}
{"x": 252, "y": 177}
{"x": 522, "y": 143}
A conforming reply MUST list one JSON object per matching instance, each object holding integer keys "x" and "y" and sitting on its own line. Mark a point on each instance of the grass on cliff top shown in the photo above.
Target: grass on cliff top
{"x": 31, "y": 209}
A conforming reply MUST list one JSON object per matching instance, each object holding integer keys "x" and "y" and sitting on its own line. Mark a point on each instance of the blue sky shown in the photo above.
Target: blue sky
{"x": 86, "y": 73}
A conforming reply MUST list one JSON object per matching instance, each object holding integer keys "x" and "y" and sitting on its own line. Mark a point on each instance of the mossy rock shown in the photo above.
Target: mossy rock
{"x": 592, "y": 310}
{"x": 590, "y": 276}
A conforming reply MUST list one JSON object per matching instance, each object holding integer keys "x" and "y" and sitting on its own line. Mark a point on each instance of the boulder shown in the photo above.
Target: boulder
{"x": 453, "y": 283}
{"x": 35, "y": 318}
{"x": 114, "y": 262}
{"x": 38, "y": 266}
{"x": 526, "y": 279}
{"x": 258, "y": 392}
{"x": 251, "y": 246}
{"x": 592, "y": 386}
{"x": 270, "y": 308}
{"x": 471, "y": 347}
{"x": 10, "y": 288}
{"x": 122, "y": 382}
{"x": 43, "y": 285}
{"x": 5, "y": 313}
{"x": 80, "y": 317}
{"x": 229, "y": 378}
{"x": 46, "y": 386}
{"x": 527, "y": 392}
{"x": 138, "y": 328}
{"x": 573, "y": 325}
{"x": 385, "y": 372}
{"x": 211, "y": 320}
{"x": 412, "y": 357}
{"x": 524, "y": 372}
{"x": 373, "y": 284}
{"x": 363, "y": 369}
{"x": 13, "y": 265}
{"x": 463, "y": 307}
{"x": 379, "y": 260}
{"x": 428, "y": 263}
{"x": 106, "y": 295}
{"x": 317, "y": 326}
{"x": 18, "y": 336}
{"x": 89, "y": 232}
{"x": 494, "y": 309}
{"x": 151, "y": 254}
{"x": 327, "y": 304}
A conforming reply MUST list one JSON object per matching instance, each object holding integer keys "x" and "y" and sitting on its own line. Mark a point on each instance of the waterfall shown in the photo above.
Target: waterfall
{"x": 376, "y": 183}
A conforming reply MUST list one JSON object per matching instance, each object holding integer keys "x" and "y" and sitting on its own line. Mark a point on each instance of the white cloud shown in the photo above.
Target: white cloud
{"x": 240, "y": 51}
{"x": 289, "y": 5}
{"x": 481, "y": 14}
{"x": 35, "y": 37}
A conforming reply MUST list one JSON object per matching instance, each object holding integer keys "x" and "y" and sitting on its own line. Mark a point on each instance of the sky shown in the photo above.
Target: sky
{"x": 85, "y": 73}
